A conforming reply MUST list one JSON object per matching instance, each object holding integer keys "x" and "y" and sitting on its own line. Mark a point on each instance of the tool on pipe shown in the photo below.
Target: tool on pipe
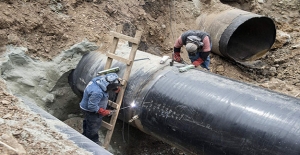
{"x": 184, "y": 68}
{"x": 130, "y": 106}
{"x": 141, "y": 59}
{"x": 111, "y": 70}
{"x": 172, "y": 62}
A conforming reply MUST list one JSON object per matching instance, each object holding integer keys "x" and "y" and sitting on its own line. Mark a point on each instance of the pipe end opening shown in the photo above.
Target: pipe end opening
{"x": 250, "y": 39}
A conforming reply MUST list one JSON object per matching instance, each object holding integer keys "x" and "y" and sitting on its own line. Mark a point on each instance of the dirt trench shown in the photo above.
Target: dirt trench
{"x": 46, "y": 28}
{"x": 58, "y": 25}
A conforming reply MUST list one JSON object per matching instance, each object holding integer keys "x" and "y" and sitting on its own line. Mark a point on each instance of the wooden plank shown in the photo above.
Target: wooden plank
{"x": 125, "y": 37}
{"x": 118, "y": 58}
{"x": 113, "y": 104}
{"x": 107, "y": 125}
{"x": 113, "y": 48}
{"x": 131, "y": 57}
{"x": 134, "y": 47}
{"x": 113, "y": 119}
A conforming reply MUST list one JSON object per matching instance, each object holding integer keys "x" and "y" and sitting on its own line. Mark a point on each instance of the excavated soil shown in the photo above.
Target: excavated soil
{"x": 47, "y": 28}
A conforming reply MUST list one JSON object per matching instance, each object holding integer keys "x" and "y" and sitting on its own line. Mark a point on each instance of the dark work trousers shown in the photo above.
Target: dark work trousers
{"x": 91, "y": 125}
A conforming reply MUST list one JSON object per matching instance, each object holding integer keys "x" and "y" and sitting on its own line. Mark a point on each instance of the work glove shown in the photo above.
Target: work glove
{"x": 177, "y": 57}
{"x": 198, "y": 62}
{"x": 103, "y": 112}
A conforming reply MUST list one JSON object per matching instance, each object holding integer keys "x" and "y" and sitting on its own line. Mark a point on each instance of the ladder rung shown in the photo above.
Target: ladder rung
{"x": 113, "y": 104}
{"x": 107, "y": 125}
{"x": 125, "y": 37}
{"x": 113, "y": 56}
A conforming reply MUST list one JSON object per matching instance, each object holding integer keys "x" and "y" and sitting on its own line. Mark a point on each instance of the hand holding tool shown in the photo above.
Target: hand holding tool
{"x": 103, "y": 112}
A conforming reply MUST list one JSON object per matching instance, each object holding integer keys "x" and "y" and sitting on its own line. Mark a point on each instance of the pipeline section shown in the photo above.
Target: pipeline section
{"x": 236, "y": 34}
{"x": 201, "y": 112}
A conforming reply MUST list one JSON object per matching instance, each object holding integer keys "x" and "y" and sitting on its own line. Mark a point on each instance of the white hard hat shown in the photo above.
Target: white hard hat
{"x": 191, "y": 47}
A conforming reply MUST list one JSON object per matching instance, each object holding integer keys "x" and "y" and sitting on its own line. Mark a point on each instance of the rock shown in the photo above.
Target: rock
{"x": 5, "y": 102}
{"x": 282, "y": 39}
{"x": 18, "y": 56}
{"x": 295, "y": 46}
{"x": 261, "y": 1}
{"x": 2, "y": 121}
{"x": 27, "y": 82}
{"x": 13, "y": 39}
{"x": 49, "y": 98}
{"x": 220, "y": 68}
{"x": 264, "y": 85}
{"x": 273, "y": 69}
{"x": 3, "y": 38}
{"x": 110, "y": 9}
{"x": 10, "y": 142}
{"x": 7, "y": 116}
{"x": 258, "y": 64}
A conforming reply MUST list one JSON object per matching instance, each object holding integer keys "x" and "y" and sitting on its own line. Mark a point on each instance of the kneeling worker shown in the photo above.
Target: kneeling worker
{"x": 198, "y": 45}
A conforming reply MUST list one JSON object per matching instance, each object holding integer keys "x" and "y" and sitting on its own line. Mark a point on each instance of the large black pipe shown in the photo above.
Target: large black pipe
{"x": 200, "y": 112}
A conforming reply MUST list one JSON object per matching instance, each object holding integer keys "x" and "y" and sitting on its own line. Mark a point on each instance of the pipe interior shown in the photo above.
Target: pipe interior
{"x": 251, "y": 39}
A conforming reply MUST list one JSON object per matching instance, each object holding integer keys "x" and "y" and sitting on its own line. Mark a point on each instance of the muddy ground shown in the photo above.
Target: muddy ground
{"x": 49, "y": 27}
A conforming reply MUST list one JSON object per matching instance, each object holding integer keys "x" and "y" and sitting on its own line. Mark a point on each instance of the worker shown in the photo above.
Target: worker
{"x": 94, "y": 103}
{"x": 198, "y": 45}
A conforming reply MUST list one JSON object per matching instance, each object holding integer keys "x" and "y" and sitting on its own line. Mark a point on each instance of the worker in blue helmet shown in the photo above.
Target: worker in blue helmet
{"x": 94, "y": 103}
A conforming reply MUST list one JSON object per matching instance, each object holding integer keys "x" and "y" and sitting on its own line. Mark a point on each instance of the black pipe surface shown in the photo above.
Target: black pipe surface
{"x": 200, "y": 112}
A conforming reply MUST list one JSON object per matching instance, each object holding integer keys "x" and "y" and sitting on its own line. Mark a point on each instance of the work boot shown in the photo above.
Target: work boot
{"x": 207, "y": 69}
{"x": 203, "y": 69}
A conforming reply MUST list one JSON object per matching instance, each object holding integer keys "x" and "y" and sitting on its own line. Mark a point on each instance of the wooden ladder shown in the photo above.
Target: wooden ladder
{"x": 129, "y": 62}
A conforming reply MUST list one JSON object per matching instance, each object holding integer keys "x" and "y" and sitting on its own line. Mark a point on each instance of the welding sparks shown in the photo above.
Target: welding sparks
{"x": 132, "y": 104}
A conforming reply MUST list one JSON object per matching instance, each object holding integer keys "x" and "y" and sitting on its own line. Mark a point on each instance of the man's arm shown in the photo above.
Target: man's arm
{"x": 177, "y": 46}
{"x": 206, "y": 44}
{"x": 94, "y": 100}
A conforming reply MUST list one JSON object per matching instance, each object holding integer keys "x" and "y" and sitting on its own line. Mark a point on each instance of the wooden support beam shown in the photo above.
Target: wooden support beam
{"x": 107, "y": 125}
{"x": 124, "y": 37}
{"x": 113, "y": 104}
{"x": 113, "y": 47}
{"x": 118, "y": 58}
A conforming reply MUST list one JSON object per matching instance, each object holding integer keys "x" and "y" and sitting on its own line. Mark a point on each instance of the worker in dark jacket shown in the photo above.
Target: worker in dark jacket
{"x": 197, "y": 44}
{"x": 94, "y": 103}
